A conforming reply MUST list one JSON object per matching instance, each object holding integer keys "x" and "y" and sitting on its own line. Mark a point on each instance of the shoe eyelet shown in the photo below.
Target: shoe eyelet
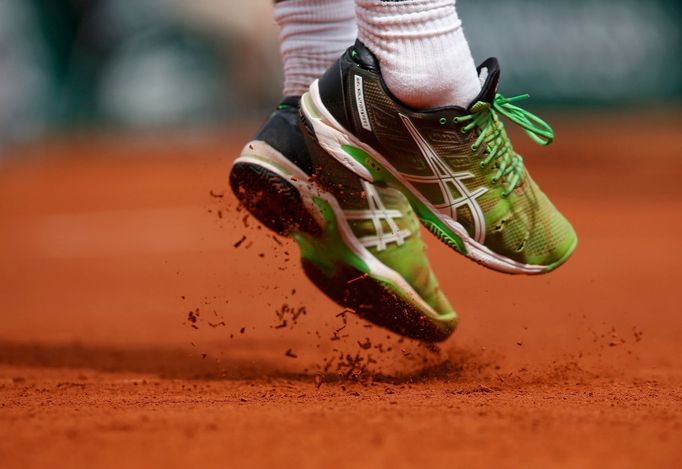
{"x": 443, "y": 121}
{"x": 463, "y": 131}
{"x": 494, "y": 180}
{"x": 482, "y": 164}
{"x": 474, "y": 148}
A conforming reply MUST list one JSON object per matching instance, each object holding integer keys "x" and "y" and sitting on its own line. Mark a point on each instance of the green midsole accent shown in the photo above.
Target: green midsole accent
{"x": 327, "y": 251}
{"x": 427, "y": 216}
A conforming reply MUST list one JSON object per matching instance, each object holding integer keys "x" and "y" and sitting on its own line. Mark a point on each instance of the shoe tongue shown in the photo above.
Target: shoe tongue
{"x": 489, "y": 74}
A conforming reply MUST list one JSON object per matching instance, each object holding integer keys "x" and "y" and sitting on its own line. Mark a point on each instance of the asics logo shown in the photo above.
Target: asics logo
{"x": 360, "y": 103}
{"x": 447, "y": 180}
{"x": 378, "y": 213}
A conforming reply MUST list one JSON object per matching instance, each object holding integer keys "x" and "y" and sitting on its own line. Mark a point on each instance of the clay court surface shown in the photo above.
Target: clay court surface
{"x": 107, "y": 244}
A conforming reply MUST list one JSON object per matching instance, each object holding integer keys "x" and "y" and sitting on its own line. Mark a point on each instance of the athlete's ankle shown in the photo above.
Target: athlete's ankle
{"x": 424, "y": 57}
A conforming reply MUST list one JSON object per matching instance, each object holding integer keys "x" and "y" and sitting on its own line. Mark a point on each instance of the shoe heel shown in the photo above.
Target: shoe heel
{"x": 272, "y": 200}
{"x": 338, "y": 180}
{"x": 328, "y": 135}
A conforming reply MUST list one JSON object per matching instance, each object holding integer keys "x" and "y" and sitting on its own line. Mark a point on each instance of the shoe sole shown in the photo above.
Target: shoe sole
{"x": 279, "y": 195}
{"x": 367, "y": 163}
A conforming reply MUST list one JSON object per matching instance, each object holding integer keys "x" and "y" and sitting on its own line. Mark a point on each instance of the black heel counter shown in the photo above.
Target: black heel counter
{"x": 332, "y": 87}
{"x": 282, "y": 133}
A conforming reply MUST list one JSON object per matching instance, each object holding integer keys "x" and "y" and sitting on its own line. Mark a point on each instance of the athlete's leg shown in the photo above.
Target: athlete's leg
{"x": 314, "y": 33}
{"x": 424, "y": 57}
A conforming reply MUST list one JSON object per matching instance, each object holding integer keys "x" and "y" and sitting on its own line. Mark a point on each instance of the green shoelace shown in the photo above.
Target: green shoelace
{"x": 484, "y": 116}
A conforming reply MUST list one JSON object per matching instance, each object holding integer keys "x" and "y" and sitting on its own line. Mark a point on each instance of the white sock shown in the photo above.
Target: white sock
{"x": 424, "y": 57}
{"x": 314, "y": 34}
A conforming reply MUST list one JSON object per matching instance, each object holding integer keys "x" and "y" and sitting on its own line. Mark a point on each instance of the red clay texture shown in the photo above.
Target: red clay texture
{"x": 148, "y": 321}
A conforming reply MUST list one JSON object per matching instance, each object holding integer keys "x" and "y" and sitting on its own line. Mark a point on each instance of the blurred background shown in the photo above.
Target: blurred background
{"x": 81, "y": 65}
{"x": 119, "y": 120}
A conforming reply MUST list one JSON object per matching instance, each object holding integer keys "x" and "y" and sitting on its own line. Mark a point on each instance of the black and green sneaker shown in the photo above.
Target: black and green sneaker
{"x": 456, "y": 166}
{"x": 360, "y": 244}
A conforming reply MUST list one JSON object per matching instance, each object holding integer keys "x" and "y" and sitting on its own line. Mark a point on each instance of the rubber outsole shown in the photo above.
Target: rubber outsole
{"x": 351, "y": 288}
{"x": 278, "y": 205}
{"x": 271, "y": 199}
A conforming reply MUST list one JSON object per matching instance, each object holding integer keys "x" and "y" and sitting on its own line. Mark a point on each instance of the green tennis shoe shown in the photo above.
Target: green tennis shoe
{"x": 456, "y": 166}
